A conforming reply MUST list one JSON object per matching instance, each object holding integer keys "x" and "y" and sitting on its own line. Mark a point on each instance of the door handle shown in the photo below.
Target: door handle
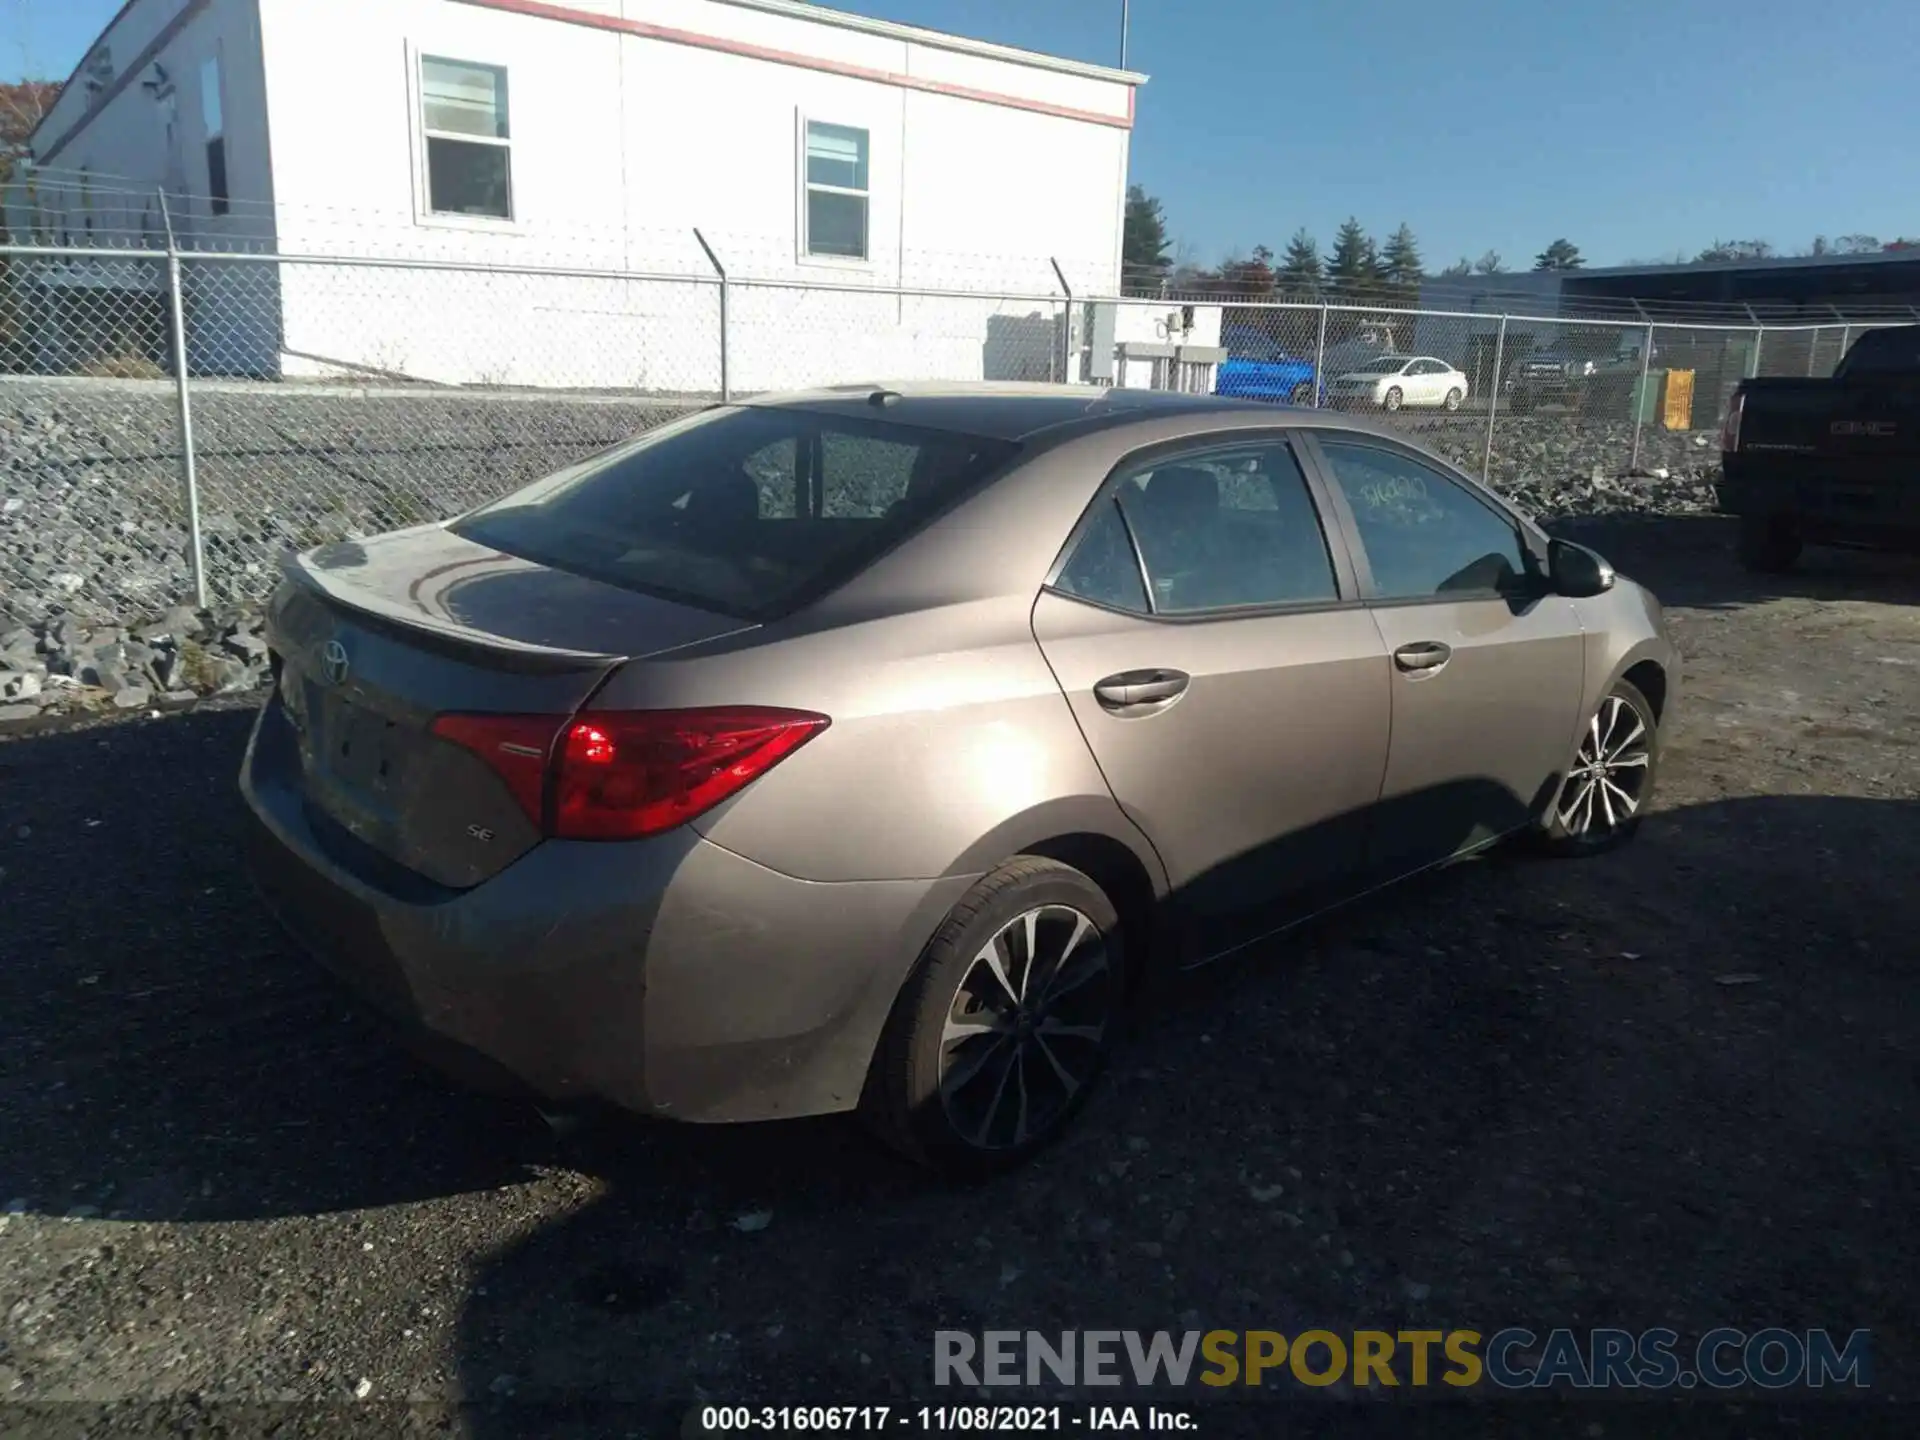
{"x": 1424, "y": 655}
{"x": 1140, "y": 687}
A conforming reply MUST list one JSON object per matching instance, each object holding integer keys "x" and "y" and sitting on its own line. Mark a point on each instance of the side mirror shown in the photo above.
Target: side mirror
{"x": 1576, "y": 571}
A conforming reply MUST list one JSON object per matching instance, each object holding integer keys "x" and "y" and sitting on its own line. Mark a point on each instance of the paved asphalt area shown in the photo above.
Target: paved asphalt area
{"x": 1670, "y": 1087}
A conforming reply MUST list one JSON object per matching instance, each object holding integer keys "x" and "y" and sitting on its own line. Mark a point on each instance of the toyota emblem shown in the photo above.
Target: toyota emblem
{"x": 333, "y": 662}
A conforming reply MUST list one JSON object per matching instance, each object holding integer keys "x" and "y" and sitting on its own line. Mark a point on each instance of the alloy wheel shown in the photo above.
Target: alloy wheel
{"x": 1604, "y": 788}
{"x": 1026, "y": 1029}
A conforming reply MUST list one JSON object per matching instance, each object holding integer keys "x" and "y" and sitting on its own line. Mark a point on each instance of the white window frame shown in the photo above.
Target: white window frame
{"x": 803, "y": 188}
{"x": 424, "y": 215}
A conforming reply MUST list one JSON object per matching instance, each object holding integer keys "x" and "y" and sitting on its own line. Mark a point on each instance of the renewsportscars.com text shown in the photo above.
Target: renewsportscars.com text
{"x": 1514, "y": 1358}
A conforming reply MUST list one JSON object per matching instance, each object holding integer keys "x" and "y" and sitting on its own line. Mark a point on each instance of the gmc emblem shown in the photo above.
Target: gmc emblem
{"x": 1878, "y": 428}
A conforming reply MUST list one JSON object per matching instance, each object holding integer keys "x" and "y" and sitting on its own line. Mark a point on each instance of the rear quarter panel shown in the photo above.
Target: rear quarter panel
{"x": 947, "y": 727}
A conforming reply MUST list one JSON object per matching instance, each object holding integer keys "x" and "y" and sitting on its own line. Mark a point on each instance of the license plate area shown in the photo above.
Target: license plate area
{"x": 361, "y": 748}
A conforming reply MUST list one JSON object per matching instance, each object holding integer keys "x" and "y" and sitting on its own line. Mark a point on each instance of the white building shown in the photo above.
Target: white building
{"x": 805, "y": 145}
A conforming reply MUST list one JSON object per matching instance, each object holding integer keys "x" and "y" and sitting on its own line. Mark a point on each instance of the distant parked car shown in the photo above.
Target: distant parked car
{"x": 1259, "y": 367}
{"x": 1273, "y": 376}
{"x": 1393, "y": 381}
{"x": 1593, "y": 373}
{"x": 850, "y": 749}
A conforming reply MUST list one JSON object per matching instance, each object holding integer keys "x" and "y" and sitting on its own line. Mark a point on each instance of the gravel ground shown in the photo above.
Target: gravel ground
{"x": 1672, "y": 1086}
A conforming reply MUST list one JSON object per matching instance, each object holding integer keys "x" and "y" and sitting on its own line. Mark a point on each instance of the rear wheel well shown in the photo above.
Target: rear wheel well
{"x": 1119, "y": 872}
{"x": 1651, "y": 681}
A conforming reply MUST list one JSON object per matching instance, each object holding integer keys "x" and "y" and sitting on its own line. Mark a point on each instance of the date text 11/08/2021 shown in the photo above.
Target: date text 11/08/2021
{"x": 939, "y": 1419}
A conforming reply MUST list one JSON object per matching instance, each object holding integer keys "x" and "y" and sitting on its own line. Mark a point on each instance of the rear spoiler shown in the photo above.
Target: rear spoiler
{"x": 426, "y": 630}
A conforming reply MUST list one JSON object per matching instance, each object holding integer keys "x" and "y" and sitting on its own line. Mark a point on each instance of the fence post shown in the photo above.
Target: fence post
{"x": 1846, "y": 342}
{"x": 1493, "y": 400}
{"x": 1063, "y": 359}
{"x": 189, "y": 477}
{"x": 1753, "y": 362}
{"x": 726, "y": 387}
{"x": 1320, "y": 358}
{"x": 1639, "y": 401}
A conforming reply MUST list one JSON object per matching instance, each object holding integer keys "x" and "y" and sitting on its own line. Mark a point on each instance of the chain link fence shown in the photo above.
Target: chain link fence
{"x": 172, "y": 421}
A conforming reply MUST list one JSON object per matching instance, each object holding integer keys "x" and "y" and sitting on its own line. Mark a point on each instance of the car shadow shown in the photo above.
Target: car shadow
{"x": 1688, "y": 560}
{"x": 1607, "y": 1063}
{"x": 1402, "y": 1077}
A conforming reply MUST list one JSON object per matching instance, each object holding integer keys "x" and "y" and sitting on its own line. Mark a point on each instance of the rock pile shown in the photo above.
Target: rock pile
{"x": 92, "y": 513}
{"x": 62, "y": 665}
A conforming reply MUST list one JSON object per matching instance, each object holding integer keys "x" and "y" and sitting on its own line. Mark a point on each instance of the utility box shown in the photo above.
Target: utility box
{"x": 1646, "y": 397}
{"x": 1677, "y": 403}
{"x": 1152, "y": 345}
{"x": 1099, "y": 330}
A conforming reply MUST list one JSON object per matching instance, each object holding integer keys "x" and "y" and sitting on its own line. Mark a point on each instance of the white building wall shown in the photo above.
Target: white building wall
{"x": 623, "y": 144}
{"x": 131, "y": 125}
{"x": 133, "y": 141}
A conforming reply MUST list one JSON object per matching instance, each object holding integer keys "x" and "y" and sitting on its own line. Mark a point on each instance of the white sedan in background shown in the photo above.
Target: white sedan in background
{"x": 1391, "y": 381}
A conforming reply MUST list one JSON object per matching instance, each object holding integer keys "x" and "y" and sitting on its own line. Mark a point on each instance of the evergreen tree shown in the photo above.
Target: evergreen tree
{"x": 1560, "y": 255}
{"x": 1145, "y": 255}
{"x": 1401, "y": 270}
{"x": 1299, "y": 275}
{"x": 1350, "y": 266}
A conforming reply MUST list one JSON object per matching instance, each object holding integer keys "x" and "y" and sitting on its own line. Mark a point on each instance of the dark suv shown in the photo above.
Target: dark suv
{"x": 1589, "y": 373}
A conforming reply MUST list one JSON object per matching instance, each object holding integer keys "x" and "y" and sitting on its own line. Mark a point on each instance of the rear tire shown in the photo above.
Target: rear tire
{"x": 1393, "y": 399}
{"x": 976, "y": 1071}
{"x": 1767, "y": 546}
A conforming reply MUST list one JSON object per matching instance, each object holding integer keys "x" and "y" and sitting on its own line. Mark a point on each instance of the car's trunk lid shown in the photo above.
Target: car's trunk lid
{"x": 373, "y": 639}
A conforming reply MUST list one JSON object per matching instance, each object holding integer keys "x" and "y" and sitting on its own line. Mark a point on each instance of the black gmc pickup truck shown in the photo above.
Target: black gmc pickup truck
{"x": 1827, "y": 462}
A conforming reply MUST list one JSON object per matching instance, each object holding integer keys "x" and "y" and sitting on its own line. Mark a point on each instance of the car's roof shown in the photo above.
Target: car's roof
{"x": 1001, "y": 410}
{"x": 1024, "y": 411}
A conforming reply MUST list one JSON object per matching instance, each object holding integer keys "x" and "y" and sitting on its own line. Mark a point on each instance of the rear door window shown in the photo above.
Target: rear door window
{"x": 1218, "y": 529}
{"x": 747, "y": 511}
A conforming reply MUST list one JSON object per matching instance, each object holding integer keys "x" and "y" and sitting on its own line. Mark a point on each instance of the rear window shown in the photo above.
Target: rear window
{"x": 1880, "y": 352}
{"x": 751, "y": 512}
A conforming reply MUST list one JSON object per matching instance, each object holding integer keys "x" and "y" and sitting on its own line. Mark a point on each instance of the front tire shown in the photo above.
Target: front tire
{"x": 1454, "y": 397}
{"x": 1005, "y": 1026}
{"x": 1610, "y": 783}
{"x": 1302, "y": 394}
{"x": 1766, "y": 546}
{"x": 1393, "y": 399}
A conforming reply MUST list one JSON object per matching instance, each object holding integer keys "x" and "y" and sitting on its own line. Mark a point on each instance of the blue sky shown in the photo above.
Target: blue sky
{"x": 1636, "y": 128}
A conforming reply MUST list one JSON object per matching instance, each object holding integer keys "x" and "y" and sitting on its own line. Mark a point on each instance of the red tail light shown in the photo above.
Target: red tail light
{"x": 1730, "y": 427}
{"x": 516, "y": 746}
{"x": 617, "y": 775}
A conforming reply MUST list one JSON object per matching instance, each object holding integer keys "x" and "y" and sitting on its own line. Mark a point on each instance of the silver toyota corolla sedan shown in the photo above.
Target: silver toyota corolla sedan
{"x": 862, "y": 749}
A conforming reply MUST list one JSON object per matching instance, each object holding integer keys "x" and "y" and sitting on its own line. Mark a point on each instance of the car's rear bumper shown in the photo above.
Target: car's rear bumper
{"x": 669, "y": 976}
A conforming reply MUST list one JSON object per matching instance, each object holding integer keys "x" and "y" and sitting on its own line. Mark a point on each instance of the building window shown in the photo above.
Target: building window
{"x": 213, "y": 118}
{"x": 463, "y": 112}
{"x": 836, "y": 180}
